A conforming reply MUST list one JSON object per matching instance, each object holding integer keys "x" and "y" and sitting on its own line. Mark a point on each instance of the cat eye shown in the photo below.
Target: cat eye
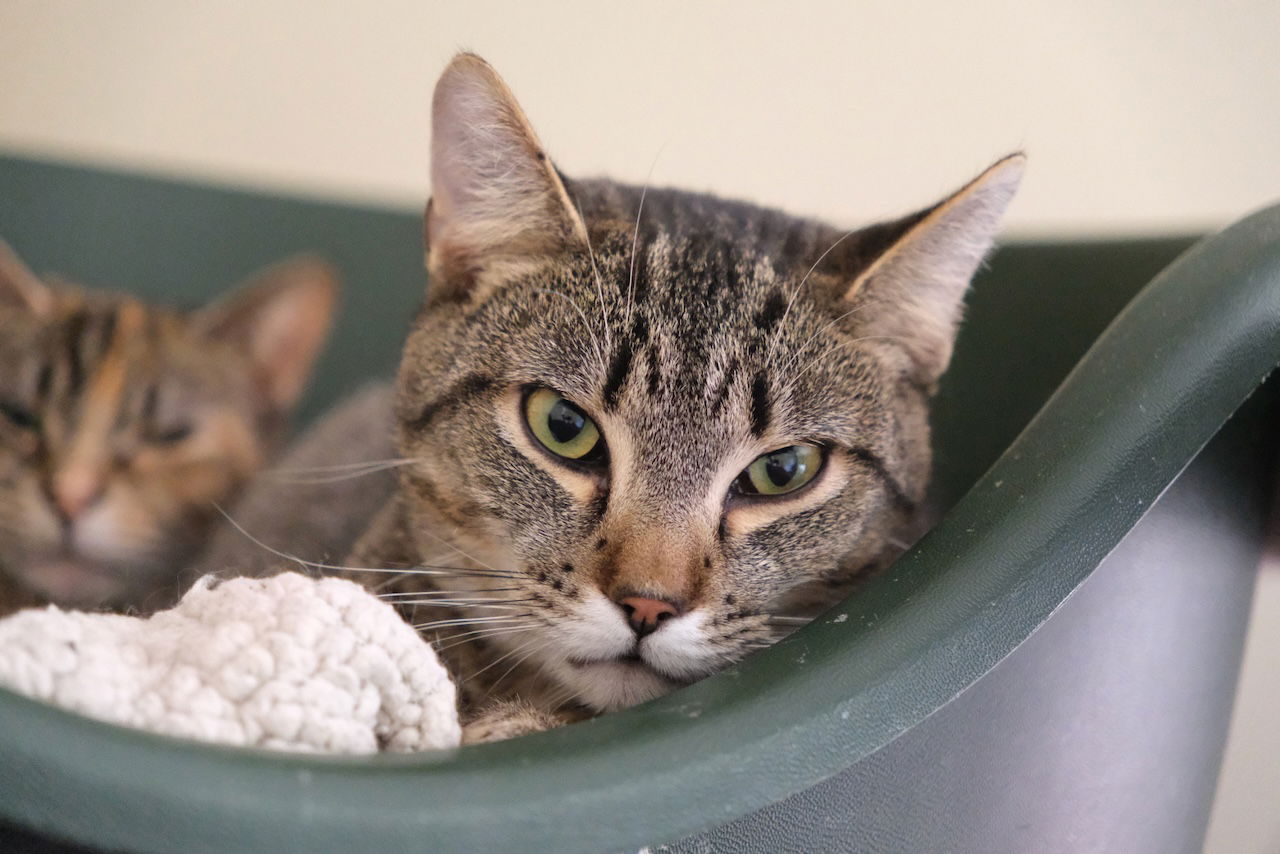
{"x": 19, "y": 416}
{"x": 562, "y": 427}
{"x": 781, "y": 471}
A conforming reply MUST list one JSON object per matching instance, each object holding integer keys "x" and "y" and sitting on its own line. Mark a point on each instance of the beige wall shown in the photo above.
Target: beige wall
{"x": 1138, "y": 116}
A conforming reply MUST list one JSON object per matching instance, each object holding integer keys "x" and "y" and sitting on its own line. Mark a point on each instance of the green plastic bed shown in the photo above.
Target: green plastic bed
{"x": 1051, "y": 669}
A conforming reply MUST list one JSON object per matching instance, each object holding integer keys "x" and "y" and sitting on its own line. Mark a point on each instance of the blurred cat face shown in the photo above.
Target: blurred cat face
{"x": 122, "y": 425}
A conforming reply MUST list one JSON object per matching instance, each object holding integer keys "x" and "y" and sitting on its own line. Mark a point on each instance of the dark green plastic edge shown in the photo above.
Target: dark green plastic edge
{"x": 1146, "y": 398}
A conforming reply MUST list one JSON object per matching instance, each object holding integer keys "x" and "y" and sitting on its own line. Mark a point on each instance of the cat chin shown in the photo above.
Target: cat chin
{"x": 607, "y": 686}
{"x": 72, "y": 582}
{"x": 86, "y": 578}
{"x": 598, "y": 658}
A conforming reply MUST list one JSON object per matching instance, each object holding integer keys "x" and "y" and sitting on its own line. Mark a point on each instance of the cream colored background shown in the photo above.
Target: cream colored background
{"x": 1140, "y": 116}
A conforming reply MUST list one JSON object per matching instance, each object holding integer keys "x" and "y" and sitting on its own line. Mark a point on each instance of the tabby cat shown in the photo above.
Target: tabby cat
{"x": 643, "y": 428}
{"x": 122, "y": 423}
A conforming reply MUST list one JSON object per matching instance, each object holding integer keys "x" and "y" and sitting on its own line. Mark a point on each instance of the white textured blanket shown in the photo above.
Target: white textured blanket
{"x": 287, "y": 662}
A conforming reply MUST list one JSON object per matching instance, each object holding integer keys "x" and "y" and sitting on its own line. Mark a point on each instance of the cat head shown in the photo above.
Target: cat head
{"x": 661, "y": 418}
{"x": 122, "y": 423}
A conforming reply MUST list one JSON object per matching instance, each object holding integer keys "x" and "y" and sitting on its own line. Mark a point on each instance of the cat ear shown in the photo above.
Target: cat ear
{"x": 495, "y": 196}
{"x": 279, "y": 318}
{"x": 20, "y": 287}
{"x": 913, "y": 290}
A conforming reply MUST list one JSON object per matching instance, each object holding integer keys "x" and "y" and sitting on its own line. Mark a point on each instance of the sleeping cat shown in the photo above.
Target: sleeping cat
{"x": 121, "y": 424}
{"x": 647, "y": 430}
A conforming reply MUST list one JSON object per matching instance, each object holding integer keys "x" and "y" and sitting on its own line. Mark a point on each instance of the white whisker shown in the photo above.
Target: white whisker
{"x": 604, "y": 311}
{"x": 392, "y": 461}
{"x": 813, "y": 362}
{"x": 467, "y": 603}
{"x": 434, "y": 592}
{"x": 513, "y": 667}
{"x": 502, "y": 658}
{"x": 800, "y": 287}
{"x": 481, "y": 634}
{"x": 468, "y": 621}
{"x": 472, "y": 558}
{"x": 635, "y": 236}
{"x": 302, "y": 478}
{"x": 491, "y": 573}
{"x": 585, "y": 325}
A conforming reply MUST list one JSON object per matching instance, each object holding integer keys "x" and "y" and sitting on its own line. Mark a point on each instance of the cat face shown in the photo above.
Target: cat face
{"x": 659, "y": 418}
{"x": 121, "y": 423}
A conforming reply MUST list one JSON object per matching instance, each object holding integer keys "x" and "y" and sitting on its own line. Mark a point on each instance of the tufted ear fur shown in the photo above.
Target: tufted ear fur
{"x": 913, "y": 290}
{"x": 21, "y": 288}
{"x": 496, "y": 198}
{"x": 279, "y": 319}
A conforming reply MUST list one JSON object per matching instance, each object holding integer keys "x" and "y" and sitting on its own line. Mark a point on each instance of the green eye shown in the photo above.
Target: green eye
{"x": 781, "y": 471}
{"x": 561, "y": 427}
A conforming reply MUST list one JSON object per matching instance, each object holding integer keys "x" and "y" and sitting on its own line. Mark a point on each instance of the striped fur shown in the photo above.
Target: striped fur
{"x": 121, "y": 424}
{"x": 698, "y": 334}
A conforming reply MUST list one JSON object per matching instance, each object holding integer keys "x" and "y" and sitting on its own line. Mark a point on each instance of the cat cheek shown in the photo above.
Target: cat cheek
{"x": 596, "y": 630}
{"x": 199, "y": 486}
{"x": 681, "y": 649}
{"x": 28, "y": 521}
{"x": 172, "y": 481}
{"x": 99, "y": 536}
{"x": 17, "y": 447}
{"x": 219, "y": 438}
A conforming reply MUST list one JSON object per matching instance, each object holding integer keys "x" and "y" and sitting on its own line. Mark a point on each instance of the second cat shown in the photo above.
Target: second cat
{"x": 122, "y": 424}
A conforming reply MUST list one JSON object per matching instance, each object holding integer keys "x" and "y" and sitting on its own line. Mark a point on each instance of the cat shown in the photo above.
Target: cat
{"x": 122, "y": 424}
{"x": 647, "y": 431}
{"x": 319, "y": 495}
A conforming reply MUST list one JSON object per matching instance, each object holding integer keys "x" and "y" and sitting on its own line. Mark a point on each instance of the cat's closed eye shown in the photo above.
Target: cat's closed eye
{"x": 172, "y": 434}
{"x": 19, "y": 415}
{"x": 166, "y": 421}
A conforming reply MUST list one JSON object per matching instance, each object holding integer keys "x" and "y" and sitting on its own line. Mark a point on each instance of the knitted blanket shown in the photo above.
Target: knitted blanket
{"x": 286, "y": 663}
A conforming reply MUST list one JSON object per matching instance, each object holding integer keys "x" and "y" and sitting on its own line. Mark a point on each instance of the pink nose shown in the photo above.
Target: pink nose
{"x": 75, "y": 490}
{"x": 645, "y": 615}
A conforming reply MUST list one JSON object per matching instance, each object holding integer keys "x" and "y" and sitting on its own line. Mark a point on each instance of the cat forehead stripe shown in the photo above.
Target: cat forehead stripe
{"x": 629, "y": 346}
{"x": 72, "y": 349}
{"x": 761, "y": 410}
{"x": 471, "y": 385}
{"x": 83, "y": 341}
{"x": 107, "y": 382}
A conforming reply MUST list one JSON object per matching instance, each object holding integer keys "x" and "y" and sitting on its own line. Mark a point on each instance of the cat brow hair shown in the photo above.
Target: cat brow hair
{"x": 878, "y": 468}
{"x": 471, "y": 385}
{"x": 620, "y": 366}
{"x": 760, "y": 408}
{"x": 85, "y": 341}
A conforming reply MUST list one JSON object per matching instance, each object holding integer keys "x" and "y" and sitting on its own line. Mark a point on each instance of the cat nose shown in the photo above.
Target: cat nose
{"x": 75, "y": 490}
{"x": 645, "y": 614}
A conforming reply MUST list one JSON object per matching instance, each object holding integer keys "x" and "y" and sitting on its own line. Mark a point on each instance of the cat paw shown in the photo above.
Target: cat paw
{"x": 508, "y": 719}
